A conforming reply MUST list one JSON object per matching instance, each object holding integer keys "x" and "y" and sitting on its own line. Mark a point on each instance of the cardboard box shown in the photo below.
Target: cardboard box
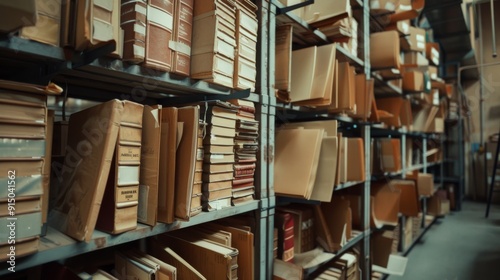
{"x": 16, "y": 14}
{"x": 413, "y": 81}
{"x": 385, "y": 50}
{"x": 410, "y": 203}
{"x": 432, "y": 53}
{"x": 48, "y": 26}
{"x": 415, "y": 41}
{"x": 321, "y": 12}
{"x": 425, "y": 184}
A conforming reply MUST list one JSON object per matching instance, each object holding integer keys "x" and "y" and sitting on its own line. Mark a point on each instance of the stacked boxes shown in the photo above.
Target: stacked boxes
{"x": 214, "y": 41}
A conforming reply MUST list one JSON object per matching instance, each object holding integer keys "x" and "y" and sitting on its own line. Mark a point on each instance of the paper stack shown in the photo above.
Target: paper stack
{"x": 218, "y": 154}
{"x": 246, "y": 147}
{"x": 247, "y": 27}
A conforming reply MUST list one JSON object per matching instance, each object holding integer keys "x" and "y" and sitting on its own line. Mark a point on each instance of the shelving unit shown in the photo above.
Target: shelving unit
{"x": 94, "y": 76}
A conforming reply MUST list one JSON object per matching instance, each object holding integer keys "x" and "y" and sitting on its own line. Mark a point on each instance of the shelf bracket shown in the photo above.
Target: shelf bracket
{"x": 284, "y": 10}
{"x": 88, "y": 56}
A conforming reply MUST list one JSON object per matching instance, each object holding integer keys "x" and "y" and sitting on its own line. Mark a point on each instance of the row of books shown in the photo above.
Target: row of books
{"x": 123, "y": 163}
{"x": 205, "y": 252}
{"x": 212, "y": 40}
{"x": 25, "y": 164}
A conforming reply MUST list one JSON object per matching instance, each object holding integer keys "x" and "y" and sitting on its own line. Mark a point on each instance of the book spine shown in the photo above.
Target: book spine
{"x": 181, "y": 42}
{"x": 243, "y": 172}
{"x": 159, "y": 34}
{"x": 133, "y": 23}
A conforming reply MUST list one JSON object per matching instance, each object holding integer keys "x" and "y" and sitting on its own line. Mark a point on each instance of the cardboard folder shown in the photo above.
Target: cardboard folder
{"x": 325, "y": 11}
{"x": 168, "y": 151}
{"x": 322, "y": 84}
{"x": 355, "y": 160}
{"x": 297, "y": 157}
{"x": 385, "y": 50}
{"x": 393, "y": 106}
{"x": 363, "y": 97}
{"x": 78, "y": 203}
{"x": 186, "y": 161}
{"x": 335, "y": 224}
{"x": 327, "y": 170}
{"x": 390, "y": 154}
{"x": 385, "y": 205}
{"x": 346, "y": 88}
{"x": 150, "y": 165}
{"x": 409, "y": 203}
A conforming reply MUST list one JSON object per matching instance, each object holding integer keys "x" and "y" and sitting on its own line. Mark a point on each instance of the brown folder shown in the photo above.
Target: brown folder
{"x": 119, "y": 205}
{"x": 168, "y": 150}
{"x": 293, "y": 146}
{"x": 385, "y": 50}
{"x": 186, "y": 161}
{"x": 393, "y": 106}
{"x": 390, "y": 154}
{"x": 336, "y": 224}
{"x": 409, "y": 202}
{"x": 355, "y": 160}
{"x": 150, "y": 165}
{"x": 133, "y": 22}
{"x": 385, "y": 205}
{"x": 283, "y": 71}
{"x": 77, "y": 207}
{"x": 159, "y": 34}
{"x": 327, "y": 170}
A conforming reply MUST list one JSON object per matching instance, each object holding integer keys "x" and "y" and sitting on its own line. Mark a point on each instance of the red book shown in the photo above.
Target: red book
{"x": 284, "y": 223}
{"x": 244, "y": 166}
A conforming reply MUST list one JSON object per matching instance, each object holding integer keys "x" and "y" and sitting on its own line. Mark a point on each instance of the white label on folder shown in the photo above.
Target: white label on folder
{"x": 434, "y": 76}
{"x": 128, "y": 175}
{"x": 420, "y": 38}
{"x": 489, "y": 156}
{"x": 435, "y": 52}
{"x": 160, "y": 17}
{"x": 179, "y": 47}
{"x": 375, "y": 4}
{"x": 421, "y": 45}
{"x": 105, "y": 4}
{"x": 390, "y": 6}
{"x": 200, "y": 154}
{"x": 429, "y": 84}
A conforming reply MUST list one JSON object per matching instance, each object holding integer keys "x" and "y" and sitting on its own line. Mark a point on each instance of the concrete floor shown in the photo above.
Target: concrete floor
{"x": 461, "y": 246}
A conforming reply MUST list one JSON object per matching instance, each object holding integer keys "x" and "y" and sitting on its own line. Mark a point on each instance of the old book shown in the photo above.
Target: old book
{"x": 221, "y": 131}
{"x": 214, "y": 149}
{"x": 159, "y": 34}
{"x": 212, "y": 186}
{"x": 285, "y": 225}
{"x": 216, "y": 194}
{"x": 133, "y": 23}
{"x": 150, "y": 165}
{"x": 218, "y": 158}
{"x": 303, "y": 220}
{"x": 119, "y": 206}
{"x": 181, "y": 39}
{"x": 186, "y": 161}
{"x": 83, "y": 185}
{"x": 217, "y": 177}
{"x": 28, "y": 173}
{"x": 217, "y": 168}
{"x": 22, "y": 148}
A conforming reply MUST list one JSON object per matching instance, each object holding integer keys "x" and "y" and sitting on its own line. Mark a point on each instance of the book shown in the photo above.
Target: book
{"x": 29, "y": 179}
{"x": 181, "y": 37}
{"x": 214, "y": 149}
{"x": 186, "y": 161}
{"x": 159, "y": 25}
{"x": 168, "y": 151}
{"x": 219, "y": 158}
{"x": 217, "y": 177}
{"x": 212, "y": 186}
{"x": 119, "y": 205}
{"x": 83, "y": 184}
{"x": 217, "y": 168}
{"x": 285, "y": 225}
{"x": 216, "y": 194}
{"x": 150, "y": 165}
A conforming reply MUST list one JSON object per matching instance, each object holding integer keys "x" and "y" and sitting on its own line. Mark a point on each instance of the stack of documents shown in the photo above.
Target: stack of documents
{"x": 219, "y": 157}
{"x": 246, "y": 147}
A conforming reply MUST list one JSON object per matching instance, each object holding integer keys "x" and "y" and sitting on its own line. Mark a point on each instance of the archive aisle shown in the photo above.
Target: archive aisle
{"x": 279, "y": 140}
